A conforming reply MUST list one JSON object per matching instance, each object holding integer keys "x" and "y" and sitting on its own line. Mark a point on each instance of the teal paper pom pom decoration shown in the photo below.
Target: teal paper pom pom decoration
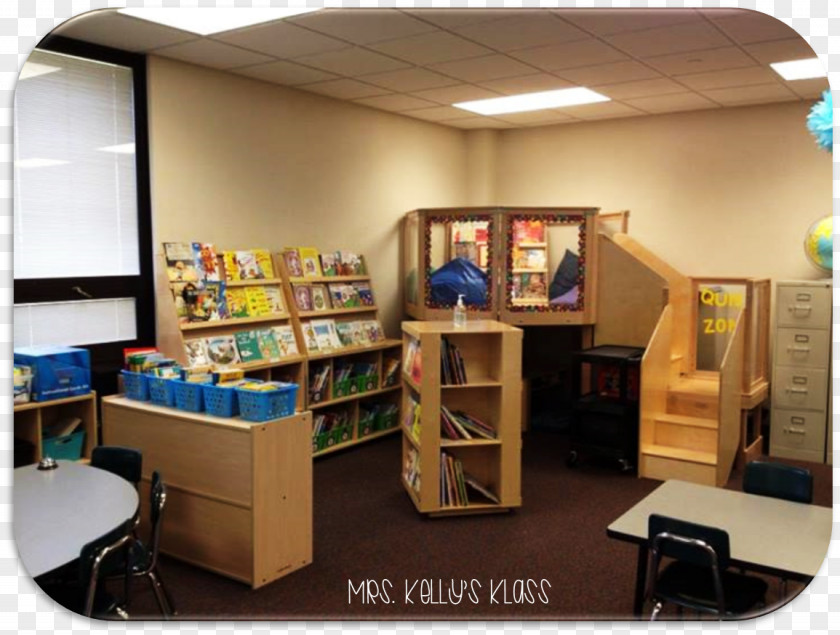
{"x": 820, "y": 121}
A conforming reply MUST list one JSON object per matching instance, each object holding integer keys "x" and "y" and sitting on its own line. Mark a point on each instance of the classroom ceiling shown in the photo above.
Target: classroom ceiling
{"x": 417, "y": 62}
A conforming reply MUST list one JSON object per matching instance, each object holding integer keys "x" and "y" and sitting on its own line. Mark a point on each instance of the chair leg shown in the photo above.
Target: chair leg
{"x": 169, "y": 602}
{"x": 161, "y": 595}
{"x": 656, "y": 608}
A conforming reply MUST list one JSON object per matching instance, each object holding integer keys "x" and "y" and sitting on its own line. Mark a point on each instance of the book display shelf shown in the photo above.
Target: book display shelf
{"x": 61, "y": 429}
{"x": 352, "y": 382}
{"x": 461, "y": 416}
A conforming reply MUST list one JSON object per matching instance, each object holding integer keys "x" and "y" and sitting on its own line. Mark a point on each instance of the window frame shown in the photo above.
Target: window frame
{"x": 141, "y": 288}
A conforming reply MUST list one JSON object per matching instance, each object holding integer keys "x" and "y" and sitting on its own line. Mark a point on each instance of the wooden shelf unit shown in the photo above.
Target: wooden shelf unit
{"x": 492, "y": 354}
{"x": 31, "y": 418}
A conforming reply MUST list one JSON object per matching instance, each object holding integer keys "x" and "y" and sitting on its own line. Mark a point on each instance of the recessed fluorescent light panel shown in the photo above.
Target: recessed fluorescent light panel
{"x": 206, "y": 21}
{"x": 799, "y": 69}
{"x": 39, "y": 163}
{"x": 533, "y": 101}
{"x": 33, "y": 69}
{"x": 124, "y": 148}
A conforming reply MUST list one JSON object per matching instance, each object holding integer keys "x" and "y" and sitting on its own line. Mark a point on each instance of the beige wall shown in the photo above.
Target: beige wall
{"x": 727, "y": 192}
{"x": 242, "y": 163}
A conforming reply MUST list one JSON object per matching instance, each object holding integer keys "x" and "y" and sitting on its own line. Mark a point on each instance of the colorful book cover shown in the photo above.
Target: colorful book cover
{"x": 274, "y": 295}
{"x": 344, "y": 296}
{"x": 329, "y": 264}
{"x": 303, "y": 296}
{"x": 345, "y": 333}
{"x": 360, "y": 337}
{"x": 320, "y": 300}
{"x": 180, "y": 262}
{"x": 265, "y": 264}
{"x": 231, "y": 265}
{"x": 311, "y": 262}
{"x": 248, "y": 267}
{"x": 267, "y": 343}
{"x": 207, "y": 304}
{"x": 351, "y": 264}
{"x": 373, "y": 330}
{"x": 248, "y": 346}
{"x": 178, "y": 296}
{"x": 218, "y": 294}
{"x": 324, "y": 330}
{"x": 258, "y": 304}
{"x": 286, "y": 342}
{"x": 291, "y": 257}
{"x": 206, "y": 264}
{"x": 310, "y": 340}
{"x": 237, "y": 302}
{"x": 221, "y": 350}
{"x": 196, "y": 351}
{"x": 336, "y": 341}
{"x": 364, "y": 293}
{"x": 528, "y": 231}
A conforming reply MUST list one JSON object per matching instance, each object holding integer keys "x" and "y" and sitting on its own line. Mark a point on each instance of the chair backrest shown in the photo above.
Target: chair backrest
{"x": 98, "y": 551}
{"x": 157, "y": 504}
{"x": 688, "y": 542}
{"x": 778, "y": 480}
{"x": 124, "y": 462}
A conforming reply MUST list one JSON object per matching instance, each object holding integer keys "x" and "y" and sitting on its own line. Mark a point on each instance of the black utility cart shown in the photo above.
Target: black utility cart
{"x": 605, "y": 409}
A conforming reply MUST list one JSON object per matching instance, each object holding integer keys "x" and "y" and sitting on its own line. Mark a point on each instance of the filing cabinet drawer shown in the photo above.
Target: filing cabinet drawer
{"x": 803, "y": 306}
{"x": 802, "y": 347}
{"x": 800, "y": 388}
{"x": 798, "y": 434}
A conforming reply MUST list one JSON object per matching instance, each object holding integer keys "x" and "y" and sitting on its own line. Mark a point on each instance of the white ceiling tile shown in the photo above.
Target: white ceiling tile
{"x": 109, "y": 28}
{"x": 395, "y": 103}
{"x": 671, "y": 103}
{"x": 431, "y": 48}
{"x": 440, "y": 113}
{"x": 532, "y": 29}
{"x": 454, "y": 18}
{"x": 352, "y": 62}
{"x": 526, "y": 84}
{"x": 282, "y": 72}
{"x": 693, "y": 36}
{"x": 281, "y": 39}
{"x": 558, "y": 57}
{"x": 702, "y": 61}
{"x": 455, "y": 94}
{"x": 643, "y": 88}
{"x": 213, "y": 54}
{"x": 750, "y": 94}
{"x": 479, "y": 69}
{"x": 410, "y": 79}
{"x": 363, "y": 26}
{"x": 609, "y": 73}
{"x": 808, "y": 88}
{"x": 474, "y": 123}
{"x": 603, "y": 110}
{"x": 536, "y": 117}
{"x": 781, "y": 50}
{"x": 345, "y": 89}
{"x": 726, "y": 78}
{"x": 612, "y": 21}
{"x": 748, "y": 27}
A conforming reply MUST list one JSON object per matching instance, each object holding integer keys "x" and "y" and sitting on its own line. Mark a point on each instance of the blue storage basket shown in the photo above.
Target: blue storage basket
{"x": 266, "y": 405}
{"x": 161, "y": 391}
{"x": 136, "y": 385}
{"x": 220, "y": 401}
{"x": 189, "y": 396}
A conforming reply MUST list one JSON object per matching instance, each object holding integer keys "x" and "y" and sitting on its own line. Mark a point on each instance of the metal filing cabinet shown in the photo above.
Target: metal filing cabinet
{"x": 801, "y": 370}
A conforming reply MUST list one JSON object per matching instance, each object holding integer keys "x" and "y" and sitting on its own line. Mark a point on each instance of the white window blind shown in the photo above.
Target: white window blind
{"x": 75, "y": 174}
{"x": 75, "y": 323}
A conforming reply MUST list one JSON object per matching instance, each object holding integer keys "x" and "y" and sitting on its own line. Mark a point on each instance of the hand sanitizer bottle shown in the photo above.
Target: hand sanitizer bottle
{"x": 460, "y": 318}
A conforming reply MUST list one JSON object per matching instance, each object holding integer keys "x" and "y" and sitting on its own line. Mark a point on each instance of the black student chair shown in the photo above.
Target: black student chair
{"x": 697, "y": 578}
{"x": 778, "y": 480}
{"x": 124, "y": 462}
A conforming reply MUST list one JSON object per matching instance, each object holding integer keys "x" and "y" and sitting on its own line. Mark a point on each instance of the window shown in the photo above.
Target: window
{"x": 82, "y": 220}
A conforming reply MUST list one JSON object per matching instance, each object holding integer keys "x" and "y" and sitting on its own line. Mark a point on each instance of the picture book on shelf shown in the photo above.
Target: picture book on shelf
{"x": 221, "y": 350}
{"x": 359, "y": 334}
{"x": 291, "y": 257}
{"x": 351, "y": 264}
{"x": 476, "y": 485}
{"x": 303, "y": 296}
{"x": 343, "y": 296}
{"x": 528, "y": 231}
{"x": 309, "y": 338}
{"x": 267, "y": 343}
{"x": 373, "y": 330}
{"x": 329, "y": 264}
{"x": 345, "y": 333}
{"x": 181, "y": 291}
{"x": 264, "y": 263}
{"x": 246, "y": 262}
{"x": 196, "y": 351}
{"x": 326, "y": 335}
{"x": 320, "y": 300}
{"x": 231, "y": 266}
{"x": 274, "y": 295}
{"x": 206, "y": 264}
{"x": 286, "y": 342}
{"x": 529, "y": 258}
{"x": 530, "y": 286}
{"x": 364, "y": 293}
{"x": 248, "y": 346}
{"x": 237, "y": 302}
{"x": 180, "y": 262}
{"x": 310, "y": 261}
{"x": 208, "y": 303}
{"x": 258, "y": 304}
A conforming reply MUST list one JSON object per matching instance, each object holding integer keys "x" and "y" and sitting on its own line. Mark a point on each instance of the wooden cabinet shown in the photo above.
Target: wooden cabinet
{"x": 491, "y": 353}
{"x": 801, "y": 371}
{"x": 239, "y": 494}
{"x": 31, "y": 419}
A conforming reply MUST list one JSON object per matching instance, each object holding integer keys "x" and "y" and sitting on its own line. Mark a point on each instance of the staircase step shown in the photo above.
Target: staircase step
{"x": 680, "y": 454}
{"x": 707, "y": 387}
{"x": 689, "y": 433}
{"x": 686, "y": 420}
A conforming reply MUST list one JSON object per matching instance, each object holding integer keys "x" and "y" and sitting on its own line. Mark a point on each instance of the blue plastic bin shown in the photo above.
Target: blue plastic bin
{"x": 161, "y": 391}
{"x": 189, "y": 396}
{"x": 221, "y": 401}
{"x": 257, "y": 405}
{"x": 136, "y": 385}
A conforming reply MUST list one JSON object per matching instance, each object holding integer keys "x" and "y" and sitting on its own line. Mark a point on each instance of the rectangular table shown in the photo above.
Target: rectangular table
{"x": 766, "y": 535}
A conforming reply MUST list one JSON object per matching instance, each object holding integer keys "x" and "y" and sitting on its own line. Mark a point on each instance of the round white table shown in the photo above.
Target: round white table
{"x": 57, "y": 512}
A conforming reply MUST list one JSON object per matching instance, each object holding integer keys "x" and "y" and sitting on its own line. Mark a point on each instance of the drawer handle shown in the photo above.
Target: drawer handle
{"x": 800, "y": 308}
{"x": 798, "y": 391}
{"x": 803, "y": 297}
{"x": 801, "y": 339}
{"x": 798, "y": 420}
{"x": 793, "y": 431}
{"x": 799, "y": 349}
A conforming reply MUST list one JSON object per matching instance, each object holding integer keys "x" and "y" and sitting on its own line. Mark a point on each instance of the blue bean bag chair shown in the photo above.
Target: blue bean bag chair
{"x": 458, "y": 276}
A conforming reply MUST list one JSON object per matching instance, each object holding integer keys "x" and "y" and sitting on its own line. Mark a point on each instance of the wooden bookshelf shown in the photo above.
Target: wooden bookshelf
{"x": 31, "y": 419}
{"x": 492, "y": 354}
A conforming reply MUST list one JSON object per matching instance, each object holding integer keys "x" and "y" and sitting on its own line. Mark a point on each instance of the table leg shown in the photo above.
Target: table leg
{"x": 641, "y": 579}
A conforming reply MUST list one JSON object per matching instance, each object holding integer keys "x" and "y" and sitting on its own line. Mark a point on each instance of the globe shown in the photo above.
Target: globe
{"x": 819, "y": 244}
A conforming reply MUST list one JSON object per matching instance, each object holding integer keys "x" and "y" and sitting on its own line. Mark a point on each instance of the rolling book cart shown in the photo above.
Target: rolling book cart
{"x": 473, "y": 373}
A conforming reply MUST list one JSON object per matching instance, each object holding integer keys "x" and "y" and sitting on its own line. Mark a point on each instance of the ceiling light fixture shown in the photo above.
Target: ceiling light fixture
{"x": 39, "y": 163}
{"x": 206, "y": 21}
{"x": 33, "y": 69}
{"x": 124, "y": 148}
{"x": 533, "y": 101}
{"x": 810, "y": 68}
